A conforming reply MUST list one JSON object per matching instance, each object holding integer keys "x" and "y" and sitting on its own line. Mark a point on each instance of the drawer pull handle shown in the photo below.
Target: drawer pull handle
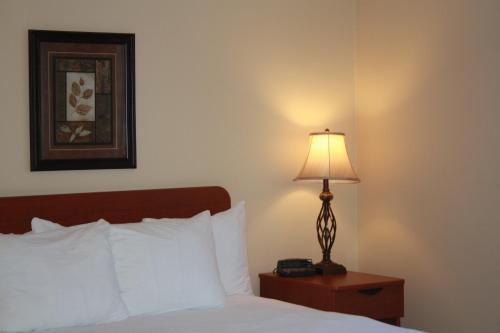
{"x": 370, "y": 291}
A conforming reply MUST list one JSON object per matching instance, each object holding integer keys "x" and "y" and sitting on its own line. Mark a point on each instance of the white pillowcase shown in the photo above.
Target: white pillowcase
{"x": 229, "y": 230}
{"x": 163, "y": 267}
{"x": 41, "y": 225}
{"x": 58, "y": 278}
{"x": 230, "y": 237}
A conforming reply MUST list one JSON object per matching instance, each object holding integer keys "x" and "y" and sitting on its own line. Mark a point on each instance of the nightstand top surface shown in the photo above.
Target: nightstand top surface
{"x": 351, "y": 280}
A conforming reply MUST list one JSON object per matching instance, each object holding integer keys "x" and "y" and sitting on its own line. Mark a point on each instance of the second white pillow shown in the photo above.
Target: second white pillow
{"x": 165, "y": 267}
{"x": 230, "y": 236}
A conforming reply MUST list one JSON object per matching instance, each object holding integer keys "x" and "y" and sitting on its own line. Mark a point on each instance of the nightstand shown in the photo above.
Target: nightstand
{"x": 374, "y": 296}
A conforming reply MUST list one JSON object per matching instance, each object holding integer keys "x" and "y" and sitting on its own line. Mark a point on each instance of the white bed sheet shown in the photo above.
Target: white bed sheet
{"x": 243, "y": 314}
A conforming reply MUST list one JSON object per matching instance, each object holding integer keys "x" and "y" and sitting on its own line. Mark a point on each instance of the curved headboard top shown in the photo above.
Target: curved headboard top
{"x": 115, "y": 207}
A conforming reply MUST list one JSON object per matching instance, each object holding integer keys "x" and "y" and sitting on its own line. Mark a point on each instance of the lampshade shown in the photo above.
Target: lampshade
{"x": 328, "y": 159}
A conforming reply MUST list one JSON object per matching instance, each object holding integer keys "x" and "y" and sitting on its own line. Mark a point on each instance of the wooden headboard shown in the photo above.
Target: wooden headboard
{"x": 115, "y": 207}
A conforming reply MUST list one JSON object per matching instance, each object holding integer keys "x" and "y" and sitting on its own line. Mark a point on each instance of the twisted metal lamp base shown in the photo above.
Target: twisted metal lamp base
{"x": 326, "y": 229}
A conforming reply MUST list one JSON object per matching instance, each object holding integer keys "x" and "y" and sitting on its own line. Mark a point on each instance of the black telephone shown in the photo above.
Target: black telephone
{"x": 295, "y": 267}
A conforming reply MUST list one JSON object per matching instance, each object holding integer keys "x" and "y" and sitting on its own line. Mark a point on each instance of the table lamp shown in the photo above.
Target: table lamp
{"x": 327, "y": 160}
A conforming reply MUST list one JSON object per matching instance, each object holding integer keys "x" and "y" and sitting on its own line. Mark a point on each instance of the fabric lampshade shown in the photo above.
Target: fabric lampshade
{"x": 328, "y": 159}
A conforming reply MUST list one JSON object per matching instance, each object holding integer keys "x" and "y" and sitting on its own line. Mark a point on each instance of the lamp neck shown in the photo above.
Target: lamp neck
{"x": 326, "y": 195}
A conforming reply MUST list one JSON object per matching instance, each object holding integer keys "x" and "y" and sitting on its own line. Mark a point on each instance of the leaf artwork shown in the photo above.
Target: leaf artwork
{"x": 78, "y": 132}
{"x": 72, "y": 100}
{"x": 83, "y": 109}
{"x": 87, "y": 93}
{"x": 75, "y": 89}
{"x": 85, "y": 133}
{"x": 76, "y": 98}
{"x": 65, "y": 129}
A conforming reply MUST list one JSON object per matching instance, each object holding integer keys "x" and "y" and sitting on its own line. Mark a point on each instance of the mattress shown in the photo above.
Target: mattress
{"x": 245, "y": 314}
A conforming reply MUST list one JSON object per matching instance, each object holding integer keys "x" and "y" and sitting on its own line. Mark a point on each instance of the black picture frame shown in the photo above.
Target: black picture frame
{"x": 110, "y": 141}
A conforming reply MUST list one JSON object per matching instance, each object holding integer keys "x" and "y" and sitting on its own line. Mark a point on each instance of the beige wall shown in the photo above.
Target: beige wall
{"x": 227, "y": 92}
{"x": 428, "y": 78}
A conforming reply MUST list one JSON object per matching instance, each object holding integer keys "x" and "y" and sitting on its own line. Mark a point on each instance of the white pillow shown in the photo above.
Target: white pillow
{"x": 229, "y": 229}
{"x": 58, "y": 278}
{"x": 230, "y": 236}
{"x": 41, "y": 225}
{"x": 164, "y": 267}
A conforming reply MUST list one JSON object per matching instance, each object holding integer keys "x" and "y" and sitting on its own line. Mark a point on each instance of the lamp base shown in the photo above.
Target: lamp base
{"x": 330, "y": 268}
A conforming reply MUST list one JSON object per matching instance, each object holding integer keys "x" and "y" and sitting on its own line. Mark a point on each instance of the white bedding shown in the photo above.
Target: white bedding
{"x": 243, "y": 314}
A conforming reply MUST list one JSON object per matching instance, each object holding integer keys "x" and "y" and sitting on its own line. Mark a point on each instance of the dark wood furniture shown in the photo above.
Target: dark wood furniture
{"x": 115, "y": 207}
{"x": 374, "y": 296}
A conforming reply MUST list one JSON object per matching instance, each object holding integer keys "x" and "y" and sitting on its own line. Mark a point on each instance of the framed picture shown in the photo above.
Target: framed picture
{"x": 82, "y": 100}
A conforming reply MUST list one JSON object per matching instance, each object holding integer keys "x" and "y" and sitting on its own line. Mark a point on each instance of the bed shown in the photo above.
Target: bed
{"x": 241, "y": 313}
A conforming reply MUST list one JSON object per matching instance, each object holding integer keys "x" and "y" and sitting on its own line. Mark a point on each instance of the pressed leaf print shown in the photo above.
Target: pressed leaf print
{"x": 65, "y": 129}
{"x": 85, "y": 133}
{"x": 75, "y": 132}
{"x": 72, "y": 100}
{"x": 75, "y": 88}
{"x": 83, "y": 109}
{"x": 87, "y": 93}
{"x": 80, "y": 94}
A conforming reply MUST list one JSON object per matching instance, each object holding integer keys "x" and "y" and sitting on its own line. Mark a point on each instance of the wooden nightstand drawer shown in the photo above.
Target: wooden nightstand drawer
{"x": 374, "y": 296}
{"x": 379, "y": 302}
